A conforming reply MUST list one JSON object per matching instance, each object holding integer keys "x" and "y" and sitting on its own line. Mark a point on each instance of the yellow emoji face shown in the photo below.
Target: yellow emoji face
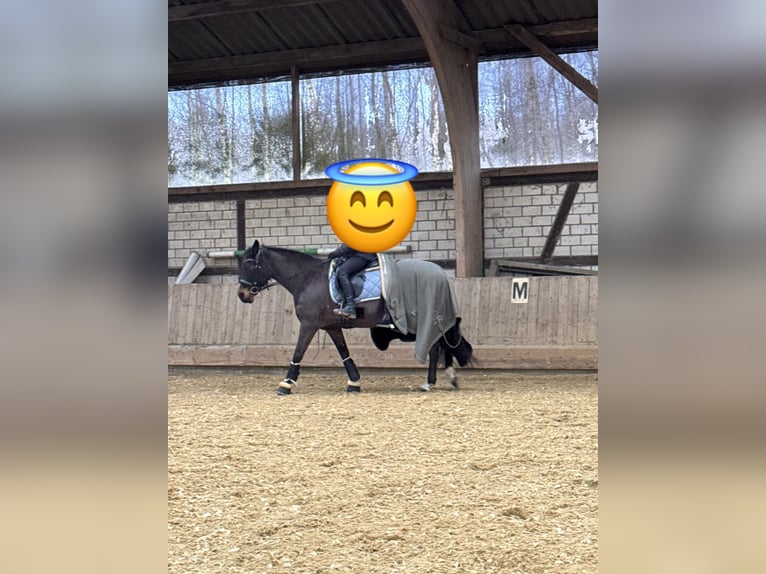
{"x": 371, "y": 218}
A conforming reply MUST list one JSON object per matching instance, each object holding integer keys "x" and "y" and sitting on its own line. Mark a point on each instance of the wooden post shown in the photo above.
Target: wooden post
{"x": 453, "y": 53}
{"x": 559, "y": 222}
{"x": 241, "y": 235}
{"x": 296, "y": 122}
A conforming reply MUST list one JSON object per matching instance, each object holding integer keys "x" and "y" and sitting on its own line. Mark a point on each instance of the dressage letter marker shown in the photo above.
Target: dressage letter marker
{"x": 520, "y": 290}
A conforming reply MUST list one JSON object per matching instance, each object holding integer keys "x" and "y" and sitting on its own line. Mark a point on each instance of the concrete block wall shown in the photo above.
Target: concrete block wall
{"x": 516, "y": 223}
{"x": 200, "y": 226}
{"x": 302, "y": 222}
{"x": 433, "y": 235}
{"x": 291, "y": 222}
{"x": 517, "y": 220}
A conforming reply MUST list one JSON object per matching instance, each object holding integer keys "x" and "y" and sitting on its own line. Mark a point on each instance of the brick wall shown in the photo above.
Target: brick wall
{"x": 516, "y": 222}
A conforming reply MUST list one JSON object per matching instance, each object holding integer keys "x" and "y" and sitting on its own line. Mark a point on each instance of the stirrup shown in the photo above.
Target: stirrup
{"x": 346, "y": 311}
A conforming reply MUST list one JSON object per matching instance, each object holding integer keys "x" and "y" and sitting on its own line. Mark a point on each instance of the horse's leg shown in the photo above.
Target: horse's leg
{"x": 353, "y": 373}
{"x": 433, "y": 360}
{"x": 449, "y": 370}
{"x": 305, "y": 335}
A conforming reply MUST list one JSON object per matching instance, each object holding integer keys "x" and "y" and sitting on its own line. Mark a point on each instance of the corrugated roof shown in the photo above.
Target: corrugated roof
{"x": 217, "y": 41}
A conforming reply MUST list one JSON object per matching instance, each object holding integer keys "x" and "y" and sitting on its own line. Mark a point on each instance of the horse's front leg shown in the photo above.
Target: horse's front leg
{"x": 304, "y": 339}
{"x": 337, "y": 337}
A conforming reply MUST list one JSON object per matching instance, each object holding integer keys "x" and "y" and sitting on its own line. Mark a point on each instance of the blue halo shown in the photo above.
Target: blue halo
{"x": 334, "y": 172}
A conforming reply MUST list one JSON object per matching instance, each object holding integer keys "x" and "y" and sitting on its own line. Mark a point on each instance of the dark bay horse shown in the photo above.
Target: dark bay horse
{"x": 306, "y": 278}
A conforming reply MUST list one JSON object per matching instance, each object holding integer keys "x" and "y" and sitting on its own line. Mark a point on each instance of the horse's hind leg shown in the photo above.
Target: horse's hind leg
{"x": 304, "y": 339}
{"x": 449, "y": 370}
{"x": 449, "y": 356}
{"x": 337, "y": 337}
{"x": 433, "y": 361}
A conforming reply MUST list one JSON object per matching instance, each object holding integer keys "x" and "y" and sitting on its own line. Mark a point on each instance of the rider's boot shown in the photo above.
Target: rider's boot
{"x": 347, "y": 309}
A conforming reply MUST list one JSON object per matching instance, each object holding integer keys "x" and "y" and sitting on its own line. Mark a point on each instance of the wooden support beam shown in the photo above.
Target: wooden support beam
{"x": 226, "y": 7}
{"x": 457, "y": 72}
{"x": 559, "y": 222}
{"x": 548, "y": 173}
{"x": 461, "y": 32}
{"x": 519, "y": 175}
{"x": 467, "y": 41}
{"x": 296, "y": 122}
{"x": 241, "y": 234}
{"x": 533, "y": 43}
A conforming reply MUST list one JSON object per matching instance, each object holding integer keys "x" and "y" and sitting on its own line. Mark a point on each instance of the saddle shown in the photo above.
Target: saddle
{"x": 367, "y": 283}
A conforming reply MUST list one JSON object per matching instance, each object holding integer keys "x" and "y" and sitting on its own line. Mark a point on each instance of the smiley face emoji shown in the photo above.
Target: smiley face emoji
{"x": 371, "y": 205}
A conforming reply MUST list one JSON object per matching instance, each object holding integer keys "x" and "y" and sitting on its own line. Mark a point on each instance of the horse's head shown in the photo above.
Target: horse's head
{"x": 254, "y": 273}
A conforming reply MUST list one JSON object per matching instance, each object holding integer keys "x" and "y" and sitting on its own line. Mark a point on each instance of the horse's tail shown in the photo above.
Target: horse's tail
{"x": 454, "y": 344}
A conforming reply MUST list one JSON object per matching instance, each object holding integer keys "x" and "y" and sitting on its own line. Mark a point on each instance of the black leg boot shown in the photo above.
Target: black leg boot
{"x": 347, "y": 308}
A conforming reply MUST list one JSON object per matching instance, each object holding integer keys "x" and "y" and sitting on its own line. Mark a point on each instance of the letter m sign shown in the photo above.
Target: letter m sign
{"x": 520, "y": 290}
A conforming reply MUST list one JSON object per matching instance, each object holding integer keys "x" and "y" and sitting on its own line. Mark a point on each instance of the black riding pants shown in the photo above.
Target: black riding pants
{"x": 348, "y": 268}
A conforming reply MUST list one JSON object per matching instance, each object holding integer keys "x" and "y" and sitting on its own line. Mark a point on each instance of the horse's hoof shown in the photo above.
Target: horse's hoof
{"x": 454, "y": 384}
{"x": 286, "y": 387}
{"x": 353, "y": 389}
{"x": 425, "y": 387}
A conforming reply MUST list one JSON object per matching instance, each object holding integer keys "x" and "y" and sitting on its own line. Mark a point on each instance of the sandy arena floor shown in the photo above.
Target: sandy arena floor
{"x": 500, "y": 476}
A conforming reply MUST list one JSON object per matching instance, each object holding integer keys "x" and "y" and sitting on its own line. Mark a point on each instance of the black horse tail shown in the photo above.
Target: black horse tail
{"x": 453, "y": 344}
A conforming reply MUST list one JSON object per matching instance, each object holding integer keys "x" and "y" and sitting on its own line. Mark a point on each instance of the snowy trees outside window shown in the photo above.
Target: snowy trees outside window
{"x": 528, "y": 114}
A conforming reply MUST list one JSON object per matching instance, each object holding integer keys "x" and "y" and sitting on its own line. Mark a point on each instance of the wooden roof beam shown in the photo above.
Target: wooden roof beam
{"x": 557, "y": 33}
{"x": 363, "y": 55}
{"x": 301, "y": 56}
{"x": 468, "y": 41}
{"x": 565, "y": 27}
{"x": 533, "y": 43}
{"x": 227, "y": 7}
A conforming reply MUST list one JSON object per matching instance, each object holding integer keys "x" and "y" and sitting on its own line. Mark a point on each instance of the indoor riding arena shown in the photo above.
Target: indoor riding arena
{"x": 495, "y": 103}
{"x": 500, "y": 476}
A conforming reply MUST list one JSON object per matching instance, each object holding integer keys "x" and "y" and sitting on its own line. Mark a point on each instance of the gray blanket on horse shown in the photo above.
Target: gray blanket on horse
{"x": 419, "y": 299}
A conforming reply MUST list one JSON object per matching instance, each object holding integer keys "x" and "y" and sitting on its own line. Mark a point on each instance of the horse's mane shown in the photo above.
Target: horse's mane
{"x": 291, "y": 252}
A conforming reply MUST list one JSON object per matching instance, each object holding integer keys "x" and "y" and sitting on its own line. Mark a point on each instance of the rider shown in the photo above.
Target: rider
{"x": 353, "y": 262}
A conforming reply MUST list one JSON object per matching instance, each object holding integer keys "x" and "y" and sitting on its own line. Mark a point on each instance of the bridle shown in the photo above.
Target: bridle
{"x": 252, "y": 287}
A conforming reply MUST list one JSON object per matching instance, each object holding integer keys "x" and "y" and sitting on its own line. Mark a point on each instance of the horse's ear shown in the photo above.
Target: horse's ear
{"x": 255, "y": 245}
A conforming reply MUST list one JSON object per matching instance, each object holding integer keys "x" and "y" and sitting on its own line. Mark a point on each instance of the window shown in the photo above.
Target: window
{"x": 529, "y": 114}
{"x": 396, "y": 114}
{"x": 230, "y": 134}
